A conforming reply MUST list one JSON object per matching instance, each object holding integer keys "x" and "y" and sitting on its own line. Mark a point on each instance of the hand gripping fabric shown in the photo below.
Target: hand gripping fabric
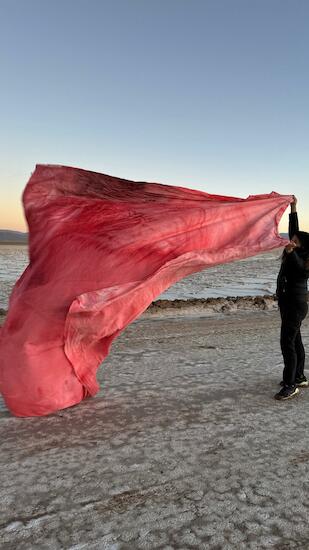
{"x": 100, "y": 250}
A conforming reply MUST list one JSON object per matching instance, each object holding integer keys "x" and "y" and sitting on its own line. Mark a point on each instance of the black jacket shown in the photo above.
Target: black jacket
{"x": 294, "y": 271}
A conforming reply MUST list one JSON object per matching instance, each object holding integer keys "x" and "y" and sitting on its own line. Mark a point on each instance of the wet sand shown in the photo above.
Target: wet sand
{"x": 183, "y": 448}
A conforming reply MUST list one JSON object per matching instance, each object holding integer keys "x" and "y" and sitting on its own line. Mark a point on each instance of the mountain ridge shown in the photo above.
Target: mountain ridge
{"x": 9, "y": 236}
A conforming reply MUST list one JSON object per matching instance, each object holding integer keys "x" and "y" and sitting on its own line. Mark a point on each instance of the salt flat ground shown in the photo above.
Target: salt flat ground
{"x": 184, "y": 448}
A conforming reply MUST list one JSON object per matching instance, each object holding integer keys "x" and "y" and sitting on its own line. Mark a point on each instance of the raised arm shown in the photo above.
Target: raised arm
{"x": 293, "y": 218}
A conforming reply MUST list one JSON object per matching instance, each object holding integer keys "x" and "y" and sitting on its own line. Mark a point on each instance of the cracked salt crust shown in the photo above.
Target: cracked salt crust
{"x": 183, "y": 448}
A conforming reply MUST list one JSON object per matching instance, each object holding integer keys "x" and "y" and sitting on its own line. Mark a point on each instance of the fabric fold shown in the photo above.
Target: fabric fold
{"x": 101, "y": 249}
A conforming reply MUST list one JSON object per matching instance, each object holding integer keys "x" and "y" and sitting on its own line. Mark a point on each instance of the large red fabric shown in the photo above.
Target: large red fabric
{"x": 101, "y": 249}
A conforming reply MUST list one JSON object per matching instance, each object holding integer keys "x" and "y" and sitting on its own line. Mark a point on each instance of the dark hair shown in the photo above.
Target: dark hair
{"x": 304, "y": 240}
{"x": 304, "y": 246}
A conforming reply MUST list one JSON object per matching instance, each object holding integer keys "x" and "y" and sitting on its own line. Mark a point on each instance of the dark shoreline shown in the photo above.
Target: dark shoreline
{"x": 257, "y": 301}
{"x": 213, "y": 305}
{"x": 208, "y": 305}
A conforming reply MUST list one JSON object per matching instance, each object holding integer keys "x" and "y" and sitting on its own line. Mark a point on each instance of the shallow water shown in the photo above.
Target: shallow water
{"x": 13, "y": 261}
{"x": 254, "y": 276}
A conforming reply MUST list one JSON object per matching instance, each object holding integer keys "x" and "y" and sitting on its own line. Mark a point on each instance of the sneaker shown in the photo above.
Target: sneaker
{"x": 287, "y": 392}
{"x": 301, "y": 382}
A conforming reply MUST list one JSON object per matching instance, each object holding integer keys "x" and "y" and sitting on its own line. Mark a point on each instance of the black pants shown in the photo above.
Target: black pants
{"x": 293, "y": 312}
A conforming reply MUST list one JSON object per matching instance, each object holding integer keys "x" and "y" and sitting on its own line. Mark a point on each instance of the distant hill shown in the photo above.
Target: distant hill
{"x": 13, "y": 237}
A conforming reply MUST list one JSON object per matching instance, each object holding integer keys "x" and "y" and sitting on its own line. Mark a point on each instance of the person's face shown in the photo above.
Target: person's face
{"x": 296, "y": 240}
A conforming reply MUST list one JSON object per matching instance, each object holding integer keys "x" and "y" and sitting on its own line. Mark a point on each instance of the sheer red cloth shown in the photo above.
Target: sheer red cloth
{"x": 101, "y": 249}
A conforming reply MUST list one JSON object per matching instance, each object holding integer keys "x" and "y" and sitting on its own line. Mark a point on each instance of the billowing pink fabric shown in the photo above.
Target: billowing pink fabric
{"x": 101, "y": 249}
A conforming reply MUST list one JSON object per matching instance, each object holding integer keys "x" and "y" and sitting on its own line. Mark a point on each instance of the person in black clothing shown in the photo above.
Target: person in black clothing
{"x": 292, "y": 296}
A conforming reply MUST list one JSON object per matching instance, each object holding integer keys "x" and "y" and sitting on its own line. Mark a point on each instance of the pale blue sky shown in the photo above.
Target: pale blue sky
{"x": 207, "y": 94}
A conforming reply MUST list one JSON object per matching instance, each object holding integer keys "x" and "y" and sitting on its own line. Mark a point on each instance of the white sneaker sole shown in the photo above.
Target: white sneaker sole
{"x": 289, "y": 397}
